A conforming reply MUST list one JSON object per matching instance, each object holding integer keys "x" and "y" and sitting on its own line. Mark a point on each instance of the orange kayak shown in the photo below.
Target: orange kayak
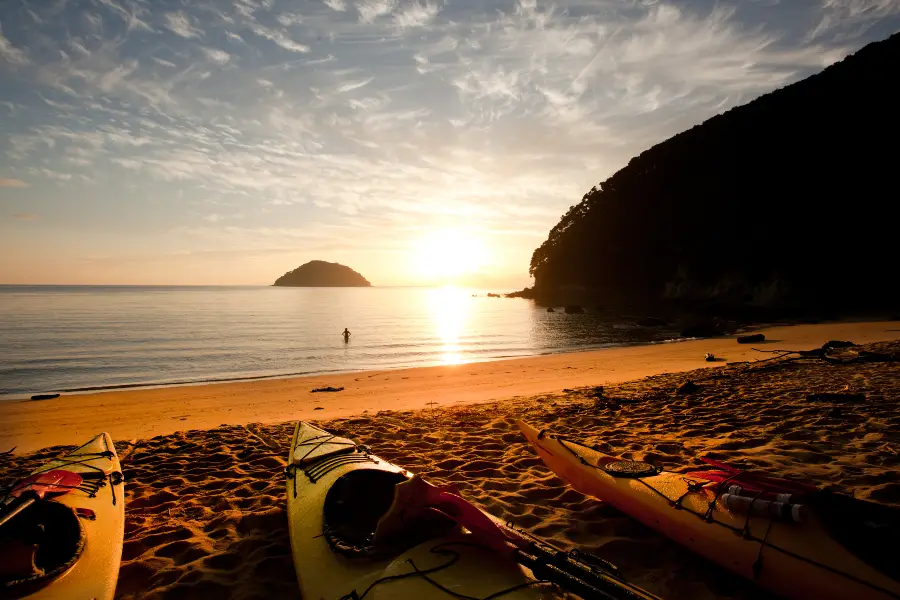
{"x": 794, "y": 550}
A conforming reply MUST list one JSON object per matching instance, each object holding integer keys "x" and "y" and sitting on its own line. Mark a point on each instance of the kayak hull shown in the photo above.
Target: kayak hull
{"x": 795, "y": 560}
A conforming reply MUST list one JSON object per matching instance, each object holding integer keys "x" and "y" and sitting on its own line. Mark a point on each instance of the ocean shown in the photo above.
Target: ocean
{"x": 80, "y": 338}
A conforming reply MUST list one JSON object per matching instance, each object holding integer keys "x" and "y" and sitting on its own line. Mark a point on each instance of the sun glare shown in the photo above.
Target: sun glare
{"x": 446, "y": 255}
{"x": 449, "y": 306}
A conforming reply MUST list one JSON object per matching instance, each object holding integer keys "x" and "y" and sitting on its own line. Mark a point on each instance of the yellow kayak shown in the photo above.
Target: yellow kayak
{"x": 357, "y": 531}
{"x": 68, "y": 547}
{"x": 784, "y": 547}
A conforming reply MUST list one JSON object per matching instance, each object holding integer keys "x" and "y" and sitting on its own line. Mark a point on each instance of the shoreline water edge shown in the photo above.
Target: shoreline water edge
{"x": 130, "y": 414}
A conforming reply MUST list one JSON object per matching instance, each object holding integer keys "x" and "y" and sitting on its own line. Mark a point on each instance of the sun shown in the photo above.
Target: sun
{"x": 447, "y": 255}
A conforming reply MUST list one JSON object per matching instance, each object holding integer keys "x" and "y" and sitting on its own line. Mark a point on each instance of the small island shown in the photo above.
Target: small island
{"x": 319, "y": 273}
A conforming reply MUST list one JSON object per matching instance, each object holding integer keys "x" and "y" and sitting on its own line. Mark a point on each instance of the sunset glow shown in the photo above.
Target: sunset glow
{"x": 445, "y": 255}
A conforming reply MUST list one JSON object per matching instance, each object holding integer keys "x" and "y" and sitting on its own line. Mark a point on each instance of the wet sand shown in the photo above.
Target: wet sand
{"x": 205, "y": 508}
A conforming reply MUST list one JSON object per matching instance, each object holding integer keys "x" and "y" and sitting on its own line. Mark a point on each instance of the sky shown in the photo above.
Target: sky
{"x": 416, "y": 141}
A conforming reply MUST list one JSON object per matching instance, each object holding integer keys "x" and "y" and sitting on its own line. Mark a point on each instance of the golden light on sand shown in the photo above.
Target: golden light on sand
{"x": 449, "y": 310}
{"x": 444, "y": 255}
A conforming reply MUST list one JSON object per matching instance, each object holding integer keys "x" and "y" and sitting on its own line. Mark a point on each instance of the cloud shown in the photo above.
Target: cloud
{"x": 165, "y": 63}
{"x": 338, "y": 5}
{"x": 280, "y": 38}
{"x": 25, "y": 216}
{"x": 217, "y": 56}
{"x": 12, "y": 183}
{"x": 130, "y": 12}
{"x": 288, "y": 19}
{"x": 11, "y": 54}
{"x": 369, "y": 10}
{"x": 840, "y": 15}
{"x": 416, "y": 15}
{"x": 180, "y": 24}
{"x": 354, "y": 85}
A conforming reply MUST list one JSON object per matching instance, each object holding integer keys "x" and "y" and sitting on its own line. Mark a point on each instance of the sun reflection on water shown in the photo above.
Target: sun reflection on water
{"x": 449, "y": 310}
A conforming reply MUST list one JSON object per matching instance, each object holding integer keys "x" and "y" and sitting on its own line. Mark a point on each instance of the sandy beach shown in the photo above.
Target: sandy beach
{"x": 205, "y": 506}
{"x": 130, "y": 415}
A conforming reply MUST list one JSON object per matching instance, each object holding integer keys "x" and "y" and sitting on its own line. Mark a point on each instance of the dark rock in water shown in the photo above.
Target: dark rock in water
{"x": 701, "y": 330}
{"x": 651, "y": 322}
{"x": 688, "y": 387}
{"x": 550, "y": 309}
{"x": 44, "y": 396}
{"x": 318, "y": 273}
{"x": 751, "y": 339}
{"x": 490, "y": 295}
{"x": 574, "y": 309}
{"x": 836, "y": 397}
{"x": 328, "y": 389}
{"x": 710, "y": 357}
{"x": 837, "y": 344}
{"x": 318, "y": 408}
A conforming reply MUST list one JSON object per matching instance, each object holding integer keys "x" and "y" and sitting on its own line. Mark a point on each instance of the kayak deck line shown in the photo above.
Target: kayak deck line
{"x": 707, "y": 494}
{"x": 707, "y": 516}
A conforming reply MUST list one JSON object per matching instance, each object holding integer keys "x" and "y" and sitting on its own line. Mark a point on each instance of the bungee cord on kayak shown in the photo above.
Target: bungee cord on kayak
{"x": 719, "y": 488}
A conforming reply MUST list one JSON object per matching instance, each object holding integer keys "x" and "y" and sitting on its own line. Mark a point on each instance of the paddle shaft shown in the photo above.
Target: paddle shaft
{"x": 584, "y": 582}
{"x": 40, "y": 485}
{"x": 6, "y": 518}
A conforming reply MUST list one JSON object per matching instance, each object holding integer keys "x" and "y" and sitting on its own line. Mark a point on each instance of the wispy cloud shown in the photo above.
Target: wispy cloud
{"x": 217, "y": 56}
{"x": 416, "y": 15}
{"x": 25, "y": 216}
{"x": 9, "y": 53}
{"x": 349, "y": 86}
{"x": 338, "y": 5}
{"x": 180, "y": 24}
{"x": 369, "y": 10}
{"x": 12, "y": 183}
{"x": 279, "y": 37}
{"x": 851, "y": 18}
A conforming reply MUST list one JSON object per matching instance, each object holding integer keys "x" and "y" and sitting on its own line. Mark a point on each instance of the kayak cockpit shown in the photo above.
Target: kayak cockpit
{"x": 41, "y": 543}
{"x": 357, "y": 505}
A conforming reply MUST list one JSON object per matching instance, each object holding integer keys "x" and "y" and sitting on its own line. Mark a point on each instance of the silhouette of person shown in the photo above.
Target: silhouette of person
{"x": 346, "y": 335}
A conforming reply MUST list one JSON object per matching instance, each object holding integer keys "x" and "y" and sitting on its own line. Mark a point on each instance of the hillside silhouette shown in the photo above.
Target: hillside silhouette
{"x": 318, "y": 273}
{"x": 789, "y": 201}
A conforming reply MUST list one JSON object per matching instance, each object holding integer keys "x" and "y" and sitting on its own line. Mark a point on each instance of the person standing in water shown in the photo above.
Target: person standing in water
{"x": 346, "y": 335}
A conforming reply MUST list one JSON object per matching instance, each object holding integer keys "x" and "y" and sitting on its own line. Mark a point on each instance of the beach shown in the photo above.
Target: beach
{"x": 205, "y": 490}
{"x": 133, "y": 414}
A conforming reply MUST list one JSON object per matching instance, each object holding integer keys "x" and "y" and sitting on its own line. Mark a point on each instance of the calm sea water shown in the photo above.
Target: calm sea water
{"x": 70, "y": 338}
